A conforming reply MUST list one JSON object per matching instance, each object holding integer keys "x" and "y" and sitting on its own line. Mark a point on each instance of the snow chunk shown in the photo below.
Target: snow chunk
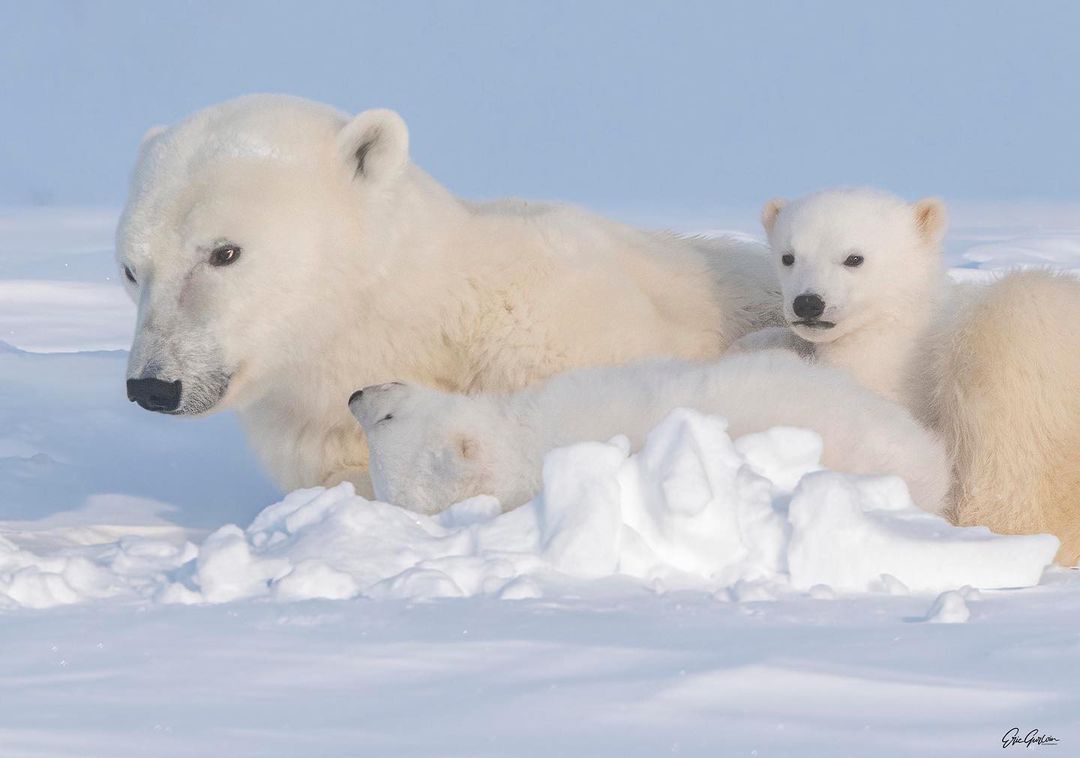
{"x": 950, "y": 607}
{"x": 848, "y": 531}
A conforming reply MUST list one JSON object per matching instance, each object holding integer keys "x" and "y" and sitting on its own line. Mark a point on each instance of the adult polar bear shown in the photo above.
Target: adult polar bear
{"x": 283, "y": 254}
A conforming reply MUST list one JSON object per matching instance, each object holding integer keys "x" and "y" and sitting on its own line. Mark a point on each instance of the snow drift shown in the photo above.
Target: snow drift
{"x": 752, "y": 517}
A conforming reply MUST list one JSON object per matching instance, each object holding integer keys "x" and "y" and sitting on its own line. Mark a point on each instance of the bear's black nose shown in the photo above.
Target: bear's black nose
{"x": 154, "y": 394}
{"x": 808, "y": 306}
{"x": 355, "y": 396}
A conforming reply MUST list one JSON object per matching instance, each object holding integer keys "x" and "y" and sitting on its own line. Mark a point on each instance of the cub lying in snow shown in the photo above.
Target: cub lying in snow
{"x": 994, "y": 369}
{"x": 430, "y": 449}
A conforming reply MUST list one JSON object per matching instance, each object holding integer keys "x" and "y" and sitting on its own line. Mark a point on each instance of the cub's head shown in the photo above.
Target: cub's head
{"x": 244, "y": 223}
{"x": 847, "y": 258}
{"x": 428, "y": 449}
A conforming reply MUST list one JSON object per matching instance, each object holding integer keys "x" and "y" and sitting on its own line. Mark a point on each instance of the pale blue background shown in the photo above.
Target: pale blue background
{"x": 621, "y": 105}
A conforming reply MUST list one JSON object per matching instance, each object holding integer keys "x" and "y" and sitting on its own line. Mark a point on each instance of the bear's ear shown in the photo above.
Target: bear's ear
{"x": 152, "y": 132}
{"x": 770, "y": 212}
{"x": 376, "y": 144}
{"x": 468, "y": 447}
{"x": 931, "y": 220}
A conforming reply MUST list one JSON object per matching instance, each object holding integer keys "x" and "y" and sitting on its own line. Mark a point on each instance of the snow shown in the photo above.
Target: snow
{"x": 58, "y": 316}
{"x": 951, "y": 607}
{"x": 687, "y": 511}
{"x": 703, "y": 596}
{"x": 847, "y": 533}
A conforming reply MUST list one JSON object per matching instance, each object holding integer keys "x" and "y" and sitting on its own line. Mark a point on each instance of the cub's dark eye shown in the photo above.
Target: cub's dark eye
{"x": 853, "y": 260}
{"x": 129, "y": 274}
{"x": 387, "y": 417}
{"x": 223, "y": 255}
{"x": 788, "y": 259}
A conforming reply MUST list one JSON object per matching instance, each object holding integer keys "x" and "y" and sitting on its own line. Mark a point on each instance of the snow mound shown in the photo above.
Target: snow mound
{"x": 849, "y": 531}
{"x": 951, "y": 607}
{"x": 752, "y": 517}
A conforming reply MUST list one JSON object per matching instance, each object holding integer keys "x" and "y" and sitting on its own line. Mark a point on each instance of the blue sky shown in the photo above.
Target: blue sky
{"x": 621, "y": 105}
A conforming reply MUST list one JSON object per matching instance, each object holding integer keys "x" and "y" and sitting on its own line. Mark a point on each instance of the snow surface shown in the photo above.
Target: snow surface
{"x": 704, "y": 596}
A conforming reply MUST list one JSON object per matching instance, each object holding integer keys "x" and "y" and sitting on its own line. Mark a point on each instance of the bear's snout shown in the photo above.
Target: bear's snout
{"x": 808, "y": 306}
{"x": 155, "y": 394}
{"x": 356, "y": 398}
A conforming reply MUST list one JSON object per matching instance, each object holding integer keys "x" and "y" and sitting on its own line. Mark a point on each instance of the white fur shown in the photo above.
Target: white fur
{"x": 1000, "y": 378}
{"x": 880, "y": 309}
{"x": 994, "y": 369}
{"x": 431, "y": 449}
{"x": 358, "y": 268}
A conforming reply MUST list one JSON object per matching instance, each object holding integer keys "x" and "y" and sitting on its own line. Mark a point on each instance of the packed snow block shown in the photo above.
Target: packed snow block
{"x": 314, "y": 578}
{"x": 849, "y": 531}
{"x": 951, "y": 607}
{"x": 686, "y": 504}
{"x": 783, "y": 454}
{"x": 228, "y": 568}
{"x": 578, "y": 511}
{"x": 691, "y": 505}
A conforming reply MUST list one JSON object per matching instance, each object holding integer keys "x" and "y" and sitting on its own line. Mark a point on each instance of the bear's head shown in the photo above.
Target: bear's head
{"x": 431, "y": 449}
{"x": 242, "y": 223}
{"x": 848, "y": 258}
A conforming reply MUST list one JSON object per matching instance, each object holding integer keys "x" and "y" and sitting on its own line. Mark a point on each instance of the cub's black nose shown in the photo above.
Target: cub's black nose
{"x": 154, "y": 394}
{"x": 355, "y": 396}
{"x": 808, "y": 306}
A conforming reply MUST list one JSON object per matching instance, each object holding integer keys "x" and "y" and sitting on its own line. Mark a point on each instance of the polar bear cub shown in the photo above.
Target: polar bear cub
{"x": 992, "y": 368}
{"x": 430, "y": 449}
{"x": 861, "y": 276}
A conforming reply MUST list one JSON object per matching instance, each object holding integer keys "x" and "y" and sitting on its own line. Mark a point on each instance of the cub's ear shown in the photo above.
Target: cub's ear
{"x": 931, "y": 219}
{"x": 468, "y": 447}
{"x": 770, "y": 212}
{"x": 376, "y": 145}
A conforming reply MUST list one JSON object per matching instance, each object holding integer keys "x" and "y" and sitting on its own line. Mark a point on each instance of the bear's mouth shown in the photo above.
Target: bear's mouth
{"x": 203, "y": 395}
{"x": 814, "y": 324}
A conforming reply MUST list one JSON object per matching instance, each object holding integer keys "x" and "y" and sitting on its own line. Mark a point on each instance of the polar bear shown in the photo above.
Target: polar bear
{"x": 994, "y": 369}
{"x": 861, "y": 275}
{"x": 282, "y": 254}
{"x": 430, "y": 449}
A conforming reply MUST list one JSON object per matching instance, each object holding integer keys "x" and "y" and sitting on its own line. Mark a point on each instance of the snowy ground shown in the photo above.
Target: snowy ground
{"x": 117, "y": 643}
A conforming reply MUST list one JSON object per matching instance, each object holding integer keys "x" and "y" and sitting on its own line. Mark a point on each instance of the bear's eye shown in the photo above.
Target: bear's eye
{"x": 223, "y": 255}
{"x": 387, "y": 417}
{"x": 788, "y": 259}
{"x": 854, "y": 260}
{"x": 129, "y": 274}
